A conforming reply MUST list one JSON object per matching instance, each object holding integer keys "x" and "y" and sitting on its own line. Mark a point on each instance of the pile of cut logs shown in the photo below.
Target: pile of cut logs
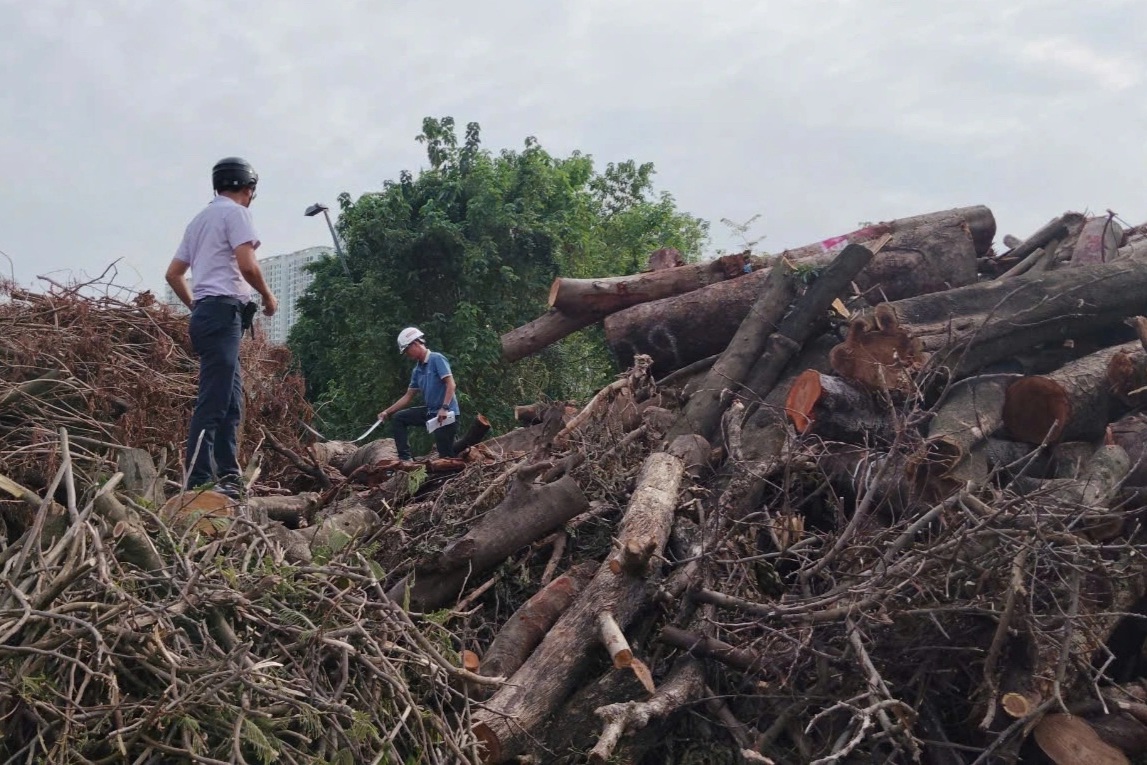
{"x": 877, "y": 499}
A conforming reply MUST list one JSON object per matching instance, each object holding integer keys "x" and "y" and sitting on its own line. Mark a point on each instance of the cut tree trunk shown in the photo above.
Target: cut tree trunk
{"x": 834, "y": 409}
{"x": 679, "y": 330}
{"x": 703, "y": 409}
{"x": 529, "y": 512}
{"x": 1098, "y": 242}
{"x": 141, "y": 480}
{"x": 922, "y": 242}
{"x": 511, "y": 717}
{"x": 523, "y": 631}
{"x": 578, "y": 303}
{"x": 763, "y": 351}
{"x": 1071, "y": 403}
{"x": 600, "y": 297}
{"x": 1069, "y": 739}
{"x": 964, "y": 329}
{"x": 957, "y": 438}
{"x": 542, "y": 332}
{"x": 478, "y": 430}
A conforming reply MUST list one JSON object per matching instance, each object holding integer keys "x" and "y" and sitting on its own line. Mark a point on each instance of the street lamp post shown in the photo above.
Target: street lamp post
{"x": 314, "y": 210}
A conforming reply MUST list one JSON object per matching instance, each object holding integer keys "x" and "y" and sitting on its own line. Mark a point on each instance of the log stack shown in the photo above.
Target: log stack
{"x": 889, "y": 511}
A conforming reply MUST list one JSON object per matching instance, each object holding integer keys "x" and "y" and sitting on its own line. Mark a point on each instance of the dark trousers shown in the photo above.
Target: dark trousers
{"x": 216, "y": 329}
{"x": 417, "y": 416}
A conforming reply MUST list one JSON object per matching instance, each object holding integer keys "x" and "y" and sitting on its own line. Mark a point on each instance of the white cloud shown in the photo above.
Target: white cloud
{"x": 816, "y": 115}
{"x": 1109, "y": 72}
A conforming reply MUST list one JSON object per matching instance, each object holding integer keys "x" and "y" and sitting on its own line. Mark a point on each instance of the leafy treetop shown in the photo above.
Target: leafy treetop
{"x": 466, "y": 250}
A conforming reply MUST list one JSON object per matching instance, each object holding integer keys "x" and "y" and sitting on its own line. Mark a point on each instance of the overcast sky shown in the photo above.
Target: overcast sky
{"x": 815, "y": 114}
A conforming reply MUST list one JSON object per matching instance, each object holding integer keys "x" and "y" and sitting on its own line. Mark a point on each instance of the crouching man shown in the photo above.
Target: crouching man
{"x": 432, "y": 379}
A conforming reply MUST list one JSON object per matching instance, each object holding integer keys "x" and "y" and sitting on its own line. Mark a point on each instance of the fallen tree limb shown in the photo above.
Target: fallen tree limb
{"x": 759, "y": 352}
{"x": 528, "y": 512}
{"x": 523, "y": 631}
{"x": 577, "y": 303}
{"x": 685, "y": 686}
{"x": 600, "y": 297}
{"x": 511, "y": 716}
{"x": 703, "y": 410}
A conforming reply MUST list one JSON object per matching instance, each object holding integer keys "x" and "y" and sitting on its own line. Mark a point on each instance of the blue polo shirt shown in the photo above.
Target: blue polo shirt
{"x": 429, "y": 379}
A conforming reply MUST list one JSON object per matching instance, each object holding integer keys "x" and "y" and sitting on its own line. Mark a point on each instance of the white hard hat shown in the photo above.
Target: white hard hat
{"x": 408, "y": 336}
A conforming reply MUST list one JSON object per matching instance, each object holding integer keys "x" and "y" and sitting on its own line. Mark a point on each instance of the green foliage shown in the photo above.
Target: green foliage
{"x": 466, "y": 250}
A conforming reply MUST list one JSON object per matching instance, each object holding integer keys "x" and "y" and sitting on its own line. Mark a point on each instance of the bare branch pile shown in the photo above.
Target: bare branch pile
{"x": 877, "y": 499}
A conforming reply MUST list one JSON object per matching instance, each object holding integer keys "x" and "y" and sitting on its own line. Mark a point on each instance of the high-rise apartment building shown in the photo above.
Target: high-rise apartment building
{"x": 288, "y": 278}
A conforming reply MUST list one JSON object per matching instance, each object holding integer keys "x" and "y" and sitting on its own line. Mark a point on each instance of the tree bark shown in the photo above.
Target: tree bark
{"x": 967, "y": 328}
{"x": 703, "y": 409}
{"x": 600, "y": 297}
{"x": 743, "y": 358}
{"x": 957, "y": 438}
{"x": 523, "y": 631}
{"x": 578, "y": 303}
{"x": 1098, "y": 242}
{"x": 1071, "y": 403}
{"x": 528, "y": 512}
{"x": 936, "y": 252}
{"x": 679, "y": 330}
{"x": 510, "y": 718}
{"x": 670, "y": 330}
{"x": 542, "y": 332}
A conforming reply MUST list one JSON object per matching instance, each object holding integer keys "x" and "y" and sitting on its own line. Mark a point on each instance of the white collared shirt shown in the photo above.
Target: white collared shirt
{"x": 209, "y": 244}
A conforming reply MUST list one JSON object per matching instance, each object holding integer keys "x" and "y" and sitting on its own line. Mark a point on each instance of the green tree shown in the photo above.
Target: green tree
{"x": 466, "y": 250}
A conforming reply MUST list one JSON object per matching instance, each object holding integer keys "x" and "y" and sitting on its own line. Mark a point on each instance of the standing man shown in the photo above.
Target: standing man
{"x": 218, "y": 248}
{"x": 433, "y": 379}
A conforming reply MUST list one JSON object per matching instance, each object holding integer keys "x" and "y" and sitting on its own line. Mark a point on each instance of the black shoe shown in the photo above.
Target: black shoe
{"x": 230, "y": 486}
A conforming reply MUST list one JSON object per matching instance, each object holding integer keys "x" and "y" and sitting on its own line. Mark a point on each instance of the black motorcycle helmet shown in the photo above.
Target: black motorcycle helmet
{"x": 232, "y": 173}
